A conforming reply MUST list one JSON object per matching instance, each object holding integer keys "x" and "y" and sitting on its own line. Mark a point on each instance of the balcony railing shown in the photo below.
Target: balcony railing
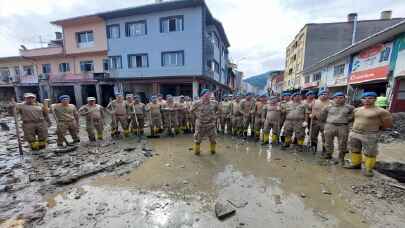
{"x": 68, "y": 77}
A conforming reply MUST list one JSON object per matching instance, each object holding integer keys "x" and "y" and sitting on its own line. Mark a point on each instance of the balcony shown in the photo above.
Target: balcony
{"x": 67, "y": 77}
{"x": 27, "y": 79}
{"x": 36, "y": 52}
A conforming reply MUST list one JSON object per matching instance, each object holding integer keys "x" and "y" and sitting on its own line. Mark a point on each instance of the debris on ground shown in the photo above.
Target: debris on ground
{"x": 394, "y": 170}
{"x": 382, "y": 189}
{"x": 397, "y": 132}
{"x": 224, "y": 210}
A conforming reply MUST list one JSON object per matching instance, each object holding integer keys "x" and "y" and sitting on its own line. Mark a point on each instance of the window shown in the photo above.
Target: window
{"x": 137, "y": 28}
{"x": 106, "y": 65}
{"x": 17, "y": 71}
{"x": 46, "y": 68}
{"x": 171, "y": 24}
{"x": 317, "y": 77}
{"x": 4, "y": 72}
{"x": 28, "y": 70}
{"x": 138, "y": 61}
{"x": 113, "y": 31}
{"x": 86, "y": 66}
{"x": 64, "y": 67}
{"x": 290, "y": 71}
{"x": 216, "y": 66}
{"x": 294, "y": 57}
{"x": 85, "y": 39}
{"x": 339, "y": 69}
{"x": 115, "y": 62}
{"x": 214, "y": 39}
{"x": 385, "y": 54}
{"x": 174, "y": 58}
{"x": 307, "y": 79}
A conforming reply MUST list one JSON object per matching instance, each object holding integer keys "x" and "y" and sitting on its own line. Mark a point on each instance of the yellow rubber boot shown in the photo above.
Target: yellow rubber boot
{"x": 126, "y": 133}
{"x": 274, "y": 139}
{"x": 369, "y": 163}
{"x": 41, "y": 144}
{"x": 266, "y": 138}
{"x": 196, "y": 148}
{"x": 212, "y": 148}
{"x": 34, "y": 146}
{"x": 355, "y": 160}
{"x": 287, "y": 142}
{"x": 99, "y": 136}
{"x": 300, "y": 142}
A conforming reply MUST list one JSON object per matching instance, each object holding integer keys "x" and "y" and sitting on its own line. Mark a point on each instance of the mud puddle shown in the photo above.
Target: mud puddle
{"x": 178, "y": 189}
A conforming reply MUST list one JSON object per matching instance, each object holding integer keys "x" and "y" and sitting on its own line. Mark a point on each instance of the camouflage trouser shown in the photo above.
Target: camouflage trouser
{"x": 170, "y": 120}
{"x": 34, "y": 130}
{"x": 141, "y": 122}
{"x": 294, "y": 126}
{"x": 366, "y": 143}
{"x": 95, "y": 125}
{"x": 156, "y": 121}
{"x": 273, "y": 125}
{"x": 342, "y": 134}
{"x": 119, "y": 119}
{"x": 317, "y": 127}
{"x": 225, "y": 120}
{"x": 258, "y": 124}
{"x": 246, "y": 122}
{"x": 63, "y": 127}
{"x": 181, "y": 119}
{"x": 205, "y": 130}
{"x": 190, "y": 119}
{"x": 236, "y": 122}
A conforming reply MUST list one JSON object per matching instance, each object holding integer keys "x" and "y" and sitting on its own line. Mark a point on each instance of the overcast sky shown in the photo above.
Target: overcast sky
{"x": 258, "y": 30}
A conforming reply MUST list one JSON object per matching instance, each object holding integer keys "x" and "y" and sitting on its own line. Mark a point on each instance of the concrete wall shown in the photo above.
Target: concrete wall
{"x": 154, "y": 43}
{"x": 99, "y": 33}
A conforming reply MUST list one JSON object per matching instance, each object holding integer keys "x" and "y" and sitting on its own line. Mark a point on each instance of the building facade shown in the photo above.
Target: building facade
{"x": 374, "y": 64}
{"x": 173, "y": 47}
{"x": 315, "y": 42}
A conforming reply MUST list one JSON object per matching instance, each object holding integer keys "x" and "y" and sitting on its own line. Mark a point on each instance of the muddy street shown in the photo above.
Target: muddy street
{"x": 174, "y": 188}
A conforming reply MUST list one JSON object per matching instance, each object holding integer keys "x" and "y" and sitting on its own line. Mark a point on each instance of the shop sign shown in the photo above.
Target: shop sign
{"x": 371, "y": 64}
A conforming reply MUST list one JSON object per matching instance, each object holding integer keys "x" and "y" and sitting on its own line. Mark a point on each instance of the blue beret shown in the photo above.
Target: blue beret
{"x": 338, "y": 94}
{"x": 296, "y": 94}
{"x": 369, "y": 94}
{"x": 286, "y": 94}
{"x": 153, "y": 97}
{"x": 64, "y": 97}
{"x": 169, "y": 96}
{"x": 118, "y": 94}
{"x": 249, "y": 94}
{"x": 310, "y": 93}
{"x": 203, "y": 92}
{"x": 322, "y": 92}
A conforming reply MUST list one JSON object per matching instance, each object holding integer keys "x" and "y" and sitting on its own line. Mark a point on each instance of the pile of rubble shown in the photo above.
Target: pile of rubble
{"x": 24, "y": 180}
{"x": 382, "y": 189}
{"x": 397, "y": 132}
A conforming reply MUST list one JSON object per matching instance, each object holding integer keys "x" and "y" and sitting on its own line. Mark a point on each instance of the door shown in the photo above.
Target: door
{"x": 398, "y": 101}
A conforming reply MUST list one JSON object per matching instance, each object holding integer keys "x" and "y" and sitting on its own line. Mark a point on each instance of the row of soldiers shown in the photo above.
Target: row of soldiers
{"x": 292, "y": 117}
{"x": 285, "y": 118}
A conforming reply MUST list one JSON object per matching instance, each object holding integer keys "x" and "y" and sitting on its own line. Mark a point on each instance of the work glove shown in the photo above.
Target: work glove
{"x": 305, "y": 124}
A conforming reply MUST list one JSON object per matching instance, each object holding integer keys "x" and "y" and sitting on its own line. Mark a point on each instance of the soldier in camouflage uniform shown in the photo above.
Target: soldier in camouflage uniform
{"x": 67, "y": 119}
{"x": 258, "y": 115}
{"x": 337, "y": 118}
{"x": 236, "y": 116}
{"x": 369, "y": 121}
{"x": 138, "y": 112}
{"x": 155, "y": 116}
{"x": 181, "y": 115}
{"x": 190, "y": 119}
{"x": 247, "y": 110}
{"x": 119, "y": 115}
{"x": 272, "y": 115}
{"x": 316, "y": 125}
{"x": 169, "y": 114}
{"x": 206, "y": 112}
{"x": 285, "y": 99}
{"x": 94, "y": 115}
{"x": 129, "y": 106}
{"x": 225, "y": 116}
{"x": 35, "y": 120}
{"x": 296, "y": 122}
